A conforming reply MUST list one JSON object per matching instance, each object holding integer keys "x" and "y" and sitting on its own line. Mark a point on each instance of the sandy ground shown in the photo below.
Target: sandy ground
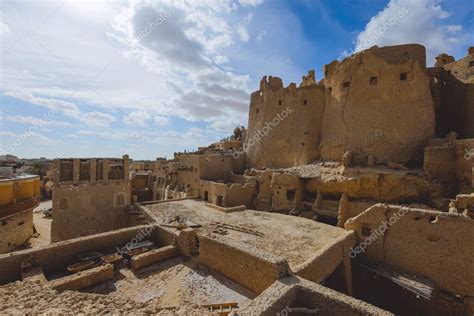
{"x": 292, "y": 238}
{"x": 42, "y": 225}
{"x": 28, "y": 298}
{"x": 174, "y": 283}
{"x": 173, "y": 287}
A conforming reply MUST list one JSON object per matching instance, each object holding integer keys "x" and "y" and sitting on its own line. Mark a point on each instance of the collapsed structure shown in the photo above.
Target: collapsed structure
{"x": 381, "y": 147}
{"x": 89, "y": 196}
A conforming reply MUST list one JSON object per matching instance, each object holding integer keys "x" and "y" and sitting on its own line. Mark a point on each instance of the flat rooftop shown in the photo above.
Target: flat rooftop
{"x": 296, "y": 239}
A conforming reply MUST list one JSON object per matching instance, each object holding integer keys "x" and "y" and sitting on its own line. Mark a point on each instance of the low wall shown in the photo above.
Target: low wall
{"x": 294, "y": 296}
{"x": 15, "y": 230}
{"x": 432, "y": 244}
{"x": 326, "y": 260}
{"x": 58, "y": 255}
{"x": 243, "y": 264}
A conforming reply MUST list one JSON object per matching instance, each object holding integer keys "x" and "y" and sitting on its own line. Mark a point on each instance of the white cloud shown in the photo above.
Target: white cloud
{"x": 194, "y": 65}
{"x": 4, "y": 28}
{"x": 225, "y": 126}
{"x": 97, "y": 119}
{"x": 220, "y": 60}
{"x": 261, "y": 34}
{"x": 30, "y": 120}
{"x": 189, "y": 40}
{"x": 12, "y": 142}
{"x": 57, "y": 105}
{"x": 407, "y": 21}
{"x": 137, "y": 118}
{"x": 250, "y": 2}
{"x": 161, "y": 120}
{"x": 242, "y": 32}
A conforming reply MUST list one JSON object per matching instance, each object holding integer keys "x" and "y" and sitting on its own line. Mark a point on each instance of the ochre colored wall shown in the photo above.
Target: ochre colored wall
{"x": 391, "y": 119}
{"x": 15, "y": 230}
{"x": 289, "y": 120}
{"x": 362, "y": 105}
{"x": 18, "y": 189}
{"x": 91, "y": 209}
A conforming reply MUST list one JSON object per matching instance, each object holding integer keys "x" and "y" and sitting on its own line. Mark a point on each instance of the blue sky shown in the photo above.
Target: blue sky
{"x": 99, "y": 78}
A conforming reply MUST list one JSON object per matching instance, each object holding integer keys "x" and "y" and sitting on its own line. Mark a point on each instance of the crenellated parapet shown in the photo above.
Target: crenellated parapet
{"x": 359, "y": 106}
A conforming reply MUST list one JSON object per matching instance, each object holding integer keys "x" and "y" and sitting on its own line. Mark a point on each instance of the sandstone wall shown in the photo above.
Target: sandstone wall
{"x": 449, "y": 166}
{"x": 57, "y": 256}
{"x": 295, "y": 296}
{"x": 89, "y": 209}
{"x": 219, "y": 167}
{"x": 420, "y": 242}
{"x": 287, "y": 191}
{"x": 15, "y": 230}
{"x": 89, "y": 196}
{"x": 378, "y": 103}
{"x": 454, "y": 88}
{"x": 227, "y": 195}
{"x": 284, "y": 124}
{"x": 245, "y": 265}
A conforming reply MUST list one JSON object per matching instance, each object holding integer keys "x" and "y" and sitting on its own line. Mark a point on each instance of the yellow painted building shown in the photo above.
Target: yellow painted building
{"x": 18, "y": 197}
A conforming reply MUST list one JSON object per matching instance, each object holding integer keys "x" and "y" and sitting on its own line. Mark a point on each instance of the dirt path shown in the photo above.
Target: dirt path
{"x": 42, "y": 225}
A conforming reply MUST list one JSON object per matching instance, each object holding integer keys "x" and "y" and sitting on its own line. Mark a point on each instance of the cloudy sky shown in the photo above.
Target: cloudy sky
{"x": 84, "y": 78}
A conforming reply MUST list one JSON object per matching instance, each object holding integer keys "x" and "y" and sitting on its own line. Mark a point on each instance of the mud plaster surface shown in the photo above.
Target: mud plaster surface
{"x": 292, "y": 238}
{"x": 172, "y": 287}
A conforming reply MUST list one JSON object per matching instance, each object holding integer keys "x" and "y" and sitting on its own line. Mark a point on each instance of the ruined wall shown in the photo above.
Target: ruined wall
{"x": 295, "y": 296}
{"x": 15, "y": 230}
{"x": 93, "y": 204}
{"x": 448, "y": 165}
{"x": 88, "y": 209}
{"x": 219, "y": 167}
{"x": 284, "y": 124}
{"x": 468, "y": 121}
{"x": 263, "y": 189}
{"x": 463, "y": 69}
{"x": 227, "y": 195}
{"x": 420, "y": 242}
{"x": 57, "y": 256}
{"x": 287, "y": 191}
{"x": 382, "y": 186}
{"x": 453, "y": 88}
{"x": 142, "y": 186}
{"x": 182, "y": 178}
{"x": 189, "y": 172}
{"x": 379, "y": 103}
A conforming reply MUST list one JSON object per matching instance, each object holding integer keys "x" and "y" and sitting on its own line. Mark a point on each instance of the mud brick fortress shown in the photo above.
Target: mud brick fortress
{"x": 352, "y": 194}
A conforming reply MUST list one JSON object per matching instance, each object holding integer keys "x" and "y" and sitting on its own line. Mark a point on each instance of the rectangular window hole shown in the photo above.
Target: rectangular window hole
{"x": 366, "y": 231}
